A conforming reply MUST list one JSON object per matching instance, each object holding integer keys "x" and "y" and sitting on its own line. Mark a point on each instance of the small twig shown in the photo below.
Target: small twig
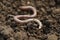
{"x": 16, "y": 18}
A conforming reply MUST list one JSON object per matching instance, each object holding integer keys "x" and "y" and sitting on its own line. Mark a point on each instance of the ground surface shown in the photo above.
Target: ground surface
{"x": 48, "y": 12}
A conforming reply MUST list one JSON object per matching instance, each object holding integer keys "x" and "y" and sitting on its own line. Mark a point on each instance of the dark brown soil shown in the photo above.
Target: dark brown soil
{"x": 48, "y": 12}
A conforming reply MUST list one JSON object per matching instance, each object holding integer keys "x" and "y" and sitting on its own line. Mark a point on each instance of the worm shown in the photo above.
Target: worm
{"x": 16, "y": 18}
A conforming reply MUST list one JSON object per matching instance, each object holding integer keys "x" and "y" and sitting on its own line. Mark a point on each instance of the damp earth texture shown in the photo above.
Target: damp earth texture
{"x": 48, "y": 13}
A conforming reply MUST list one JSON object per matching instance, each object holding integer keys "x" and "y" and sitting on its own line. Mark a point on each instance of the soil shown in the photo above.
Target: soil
{"x": 48, "y": 12}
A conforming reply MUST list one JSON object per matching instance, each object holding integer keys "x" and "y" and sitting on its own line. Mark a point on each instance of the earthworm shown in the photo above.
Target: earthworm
{"x": 16, "y": 18}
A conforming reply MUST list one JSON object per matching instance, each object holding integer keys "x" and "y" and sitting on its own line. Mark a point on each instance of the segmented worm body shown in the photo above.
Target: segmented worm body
{"x": 16, "y": 18}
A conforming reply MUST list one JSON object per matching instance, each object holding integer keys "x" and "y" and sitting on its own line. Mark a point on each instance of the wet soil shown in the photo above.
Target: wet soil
{"x": 48, "y": 12}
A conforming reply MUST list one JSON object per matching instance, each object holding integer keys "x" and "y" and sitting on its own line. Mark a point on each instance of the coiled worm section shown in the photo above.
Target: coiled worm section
{"x": 17, "y": 18}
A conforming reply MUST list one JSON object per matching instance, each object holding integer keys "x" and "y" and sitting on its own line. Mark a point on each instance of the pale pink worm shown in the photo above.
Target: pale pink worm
{"x": 16, "y": 18}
